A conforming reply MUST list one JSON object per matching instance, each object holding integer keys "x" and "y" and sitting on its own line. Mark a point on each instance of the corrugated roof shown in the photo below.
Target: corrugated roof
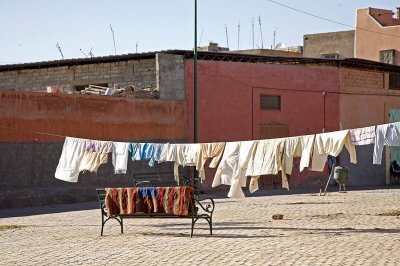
{"x": 216, "y": 56}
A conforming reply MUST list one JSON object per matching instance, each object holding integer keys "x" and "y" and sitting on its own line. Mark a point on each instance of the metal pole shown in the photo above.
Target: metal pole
{"x": 195, "y": 74}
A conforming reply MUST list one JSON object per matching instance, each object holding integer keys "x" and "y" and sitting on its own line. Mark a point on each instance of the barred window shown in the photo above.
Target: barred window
{"x": 394, "y": 81}
{"x": 270, "y": 102}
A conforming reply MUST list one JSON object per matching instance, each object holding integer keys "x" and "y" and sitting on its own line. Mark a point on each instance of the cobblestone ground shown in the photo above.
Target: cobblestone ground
{"x": 339, "y": 229}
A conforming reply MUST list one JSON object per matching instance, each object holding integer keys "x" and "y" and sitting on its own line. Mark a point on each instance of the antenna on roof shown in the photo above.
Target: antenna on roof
{"x": 262, "y": 41}
{"x": 252, "y": 30}
{"x": 238, "y": 35}
{"x": 274, "y": 36}
{"x": 89, "y": 53}
{"x": 59, "y": 49}
{"x": 201, "y": 36}
{"x": 137, "y": 45}
{"x": 226, "y": 33}
{"x": 115, "y": 48}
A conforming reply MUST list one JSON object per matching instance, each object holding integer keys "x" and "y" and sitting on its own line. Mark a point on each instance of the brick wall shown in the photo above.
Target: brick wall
{"x": 360, "y": 79}
{"x": 130, "y": 72}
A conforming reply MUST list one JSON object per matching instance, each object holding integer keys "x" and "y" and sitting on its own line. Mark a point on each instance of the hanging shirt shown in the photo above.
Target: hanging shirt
{"x": 387, "y": 134}
{"x": 331, "y": 144}
{"x": 120, "y": 157}
{"x": 266, "y": 160}
{"x": 232, "y": 168}
{"x": 186, "y": 155}
{"x": 209, "y": 150}
{"x": 70, "y": 159}
{"x": 305, "y": 150}
{"x": 363, "y": 136}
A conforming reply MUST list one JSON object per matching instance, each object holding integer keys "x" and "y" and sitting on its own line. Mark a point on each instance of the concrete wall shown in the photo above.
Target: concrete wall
{"x": 369, "y": 43}
{"x": 341, "y": 42}
{"x": 365, "y": 101}
{"x": 28, "y": 160}
{"x": 170, "y": 76}
{"x": 229, "y": 110}
{"x": 130, "y": 72}
{"x": 94, "y": 117}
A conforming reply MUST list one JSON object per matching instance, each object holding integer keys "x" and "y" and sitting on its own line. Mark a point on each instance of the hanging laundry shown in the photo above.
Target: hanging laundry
{"x": 120, "y": 157}
{"x": 70, "y": 160}
{"x": 331, "y": 144}
{"x": 266, "y": 160}
{"x": 186, "y": 155}
{"x": 233, "y": 165}
{"x": 168, "y": 153}
{"x": 209, "y": 150}
{"x": 306, "y": 147}
{"x": 291, "y": 148}
{"x": 363, "y": 136}
{"x": 145, "y": 151}
{"x": 99, "y": 146}
{"x": 91, "y": 161}
{"x": 387, "y": 134}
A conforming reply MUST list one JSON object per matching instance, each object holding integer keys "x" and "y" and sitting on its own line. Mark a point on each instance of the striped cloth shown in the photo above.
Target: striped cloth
{"x": 130, "y": 200}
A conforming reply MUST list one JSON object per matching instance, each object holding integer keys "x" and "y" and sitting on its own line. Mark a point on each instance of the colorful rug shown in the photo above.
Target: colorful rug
{"x": 170, "y": 200}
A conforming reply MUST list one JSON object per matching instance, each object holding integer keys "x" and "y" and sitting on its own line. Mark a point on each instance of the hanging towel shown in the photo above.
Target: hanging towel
{"x": 70, "y": 160}
{"x": 145, "y": 151}
{"x": 120, "y": 157}
{"x": 387, "y": 134}
{"x": 363, "y": 136}
{"x": 209, "y": 150}
{"x": 168, "y": 153}
{"x": 331, "y": 144}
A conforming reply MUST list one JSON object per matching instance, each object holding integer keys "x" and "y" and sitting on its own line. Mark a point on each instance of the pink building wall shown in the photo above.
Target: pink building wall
{"x": 229, "y": 109}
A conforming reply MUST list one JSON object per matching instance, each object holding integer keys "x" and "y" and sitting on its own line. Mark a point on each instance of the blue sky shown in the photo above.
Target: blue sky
{"x": 30, "y": 30}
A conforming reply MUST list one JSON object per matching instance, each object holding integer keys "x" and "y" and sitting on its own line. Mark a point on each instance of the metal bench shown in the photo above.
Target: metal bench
{"x": 198, "y": 209}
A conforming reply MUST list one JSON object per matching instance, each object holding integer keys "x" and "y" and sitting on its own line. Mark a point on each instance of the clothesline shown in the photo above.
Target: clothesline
{"x": 237, "y": 160}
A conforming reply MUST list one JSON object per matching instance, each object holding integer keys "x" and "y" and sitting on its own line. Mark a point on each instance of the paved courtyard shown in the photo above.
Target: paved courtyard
{"x": 338, "y": 229}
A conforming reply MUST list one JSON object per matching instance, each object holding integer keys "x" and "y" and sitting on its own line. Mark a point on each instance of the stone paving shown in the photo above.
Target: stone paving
{"x": 338, "y": 229}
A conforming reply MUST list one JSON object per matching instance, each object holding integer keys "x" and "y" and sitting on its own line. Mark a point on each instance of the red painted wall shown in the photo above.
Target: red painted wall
{"x": 93, "y": 117}
{"x": 229, "y": 93}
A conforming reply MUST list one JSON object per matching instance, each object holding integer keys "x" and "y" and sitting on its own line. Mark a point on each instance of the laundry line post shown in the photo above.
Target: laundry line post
{"x": 195, "y": 121}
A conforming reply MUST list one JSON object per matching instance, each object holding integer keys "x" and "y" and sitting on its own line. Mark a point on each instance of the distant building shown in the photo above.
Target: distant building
{"x": 212, "y": 47}
{"x": 378, "y": 35}
{"x": 336, "y": 45}
{"x": 377, "y": 38}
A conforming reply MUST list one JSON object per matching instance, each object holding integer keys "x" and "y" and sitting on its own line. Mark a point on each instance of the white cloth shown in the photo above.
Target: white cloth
{"x": 363, "y": 136}
{"x": 291, "y": 149}
{"x": 99, "y": 146}
{"x": 306, "y": 148}
{"x": 387, "y": 134}
{"x": 331, "y": 144}
{"x": 185, "y": 155}
{"x": 168, "y": 153}
{"x": 209, "y": 150}
{"x": 232, "y": 168}
{"x": 70, "y": 159}
{"x": 266, "y": 160}
{"x": 120, "y": 157}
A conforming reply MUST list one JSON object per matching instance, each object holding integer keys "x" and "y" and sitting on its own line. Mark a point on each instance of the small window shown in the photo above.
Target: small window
{"x": 387, "y": 56}
{"x": 270, "y": 102}
{"x": 394, "y": 81}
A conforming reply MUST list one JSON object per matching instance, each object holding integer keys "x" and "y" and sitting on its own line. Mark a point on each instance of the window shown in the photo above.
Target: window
{"x": 270, "y": 102}
{"x": 387, "y": 56}
{"x": 272, "y": 131}
{"x": 394, "y": 81}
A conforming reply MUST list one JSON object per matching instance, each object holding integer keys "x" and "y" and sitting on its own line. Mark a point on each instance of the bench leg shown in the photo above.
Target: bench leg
{"x": 210, "y": 223}
{"x": 122, "y": 226}
{"x": 193, "y": 222}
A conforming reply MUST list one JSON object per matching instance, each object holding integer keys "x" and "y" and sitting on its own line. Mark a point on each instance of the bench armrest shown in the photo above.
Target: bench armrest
{"x": 206, "y": 204}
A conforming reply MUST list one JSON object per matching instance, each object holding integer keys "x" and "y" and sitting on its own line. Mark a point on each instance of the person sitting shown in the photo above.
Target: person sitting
{"x": 395, "y": 172}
